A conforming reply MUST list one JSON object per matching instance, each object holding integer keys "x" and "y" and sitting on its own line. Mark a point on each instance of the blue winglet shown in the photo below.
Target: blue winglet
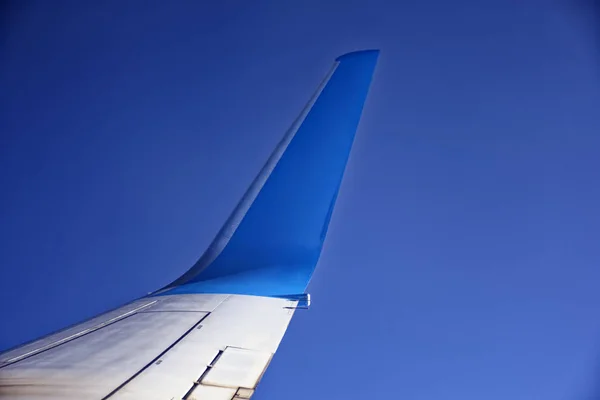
{"x": 272, "y": 242}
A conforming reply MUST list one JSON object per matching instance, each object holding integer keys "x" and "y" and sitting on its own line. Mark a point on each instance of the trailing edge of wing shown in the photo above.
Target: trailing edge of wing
{"x": 272, "y": 241}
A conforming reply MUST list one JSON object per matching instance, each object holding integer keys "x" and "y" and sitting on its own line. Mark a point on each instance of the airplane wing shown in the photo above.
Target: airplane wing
{"x": 212, "y": 332}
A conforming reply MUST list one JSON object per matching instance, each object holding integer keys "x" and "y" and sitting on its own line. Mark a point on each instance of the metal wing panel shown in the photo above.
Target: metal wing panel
{"x": 92, "y": 365}
{"x": 192, "y": 302}
{"x": 158, "y": 353}
{"x": 74, "y": 331}
{"x": 201, "y": 361}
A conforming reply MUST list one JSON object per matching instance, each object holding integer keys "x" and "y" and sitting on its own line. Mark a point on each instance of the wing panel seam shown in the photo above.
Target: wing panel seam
{"x": 155, "y": 359}
{"x": 75, "y": 335}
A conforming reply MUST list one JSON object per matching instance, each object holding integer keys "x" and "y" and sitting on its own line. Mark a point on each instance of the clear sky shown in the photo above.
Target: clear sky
{"x": 462, "y": 261}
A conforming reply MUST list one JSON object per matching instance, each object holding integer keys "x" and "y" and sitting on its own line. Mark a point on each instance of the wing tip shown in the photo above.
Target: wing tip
{"x": 359, "y": 53}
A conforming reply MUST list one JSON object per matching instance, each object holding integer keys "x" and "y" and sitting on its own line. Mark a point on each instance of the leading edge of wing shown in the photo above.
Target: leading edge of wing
{"x": 272, "y": 241}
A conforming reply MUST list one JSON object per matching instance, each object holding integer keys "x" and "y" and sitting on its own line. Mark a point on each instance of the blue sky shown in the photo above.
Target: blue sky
{"x": 462, "y": 260}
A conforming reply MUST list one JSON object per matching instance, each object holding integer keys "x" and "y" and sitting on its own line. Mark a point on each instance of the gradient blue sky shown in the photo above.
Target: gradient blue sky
{"x": 462, "y": 261}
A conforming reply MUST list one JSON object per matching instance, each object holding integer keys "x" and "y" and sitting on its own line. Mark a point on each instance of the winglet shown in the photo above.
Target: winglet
{"x": 272, "y": 241}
